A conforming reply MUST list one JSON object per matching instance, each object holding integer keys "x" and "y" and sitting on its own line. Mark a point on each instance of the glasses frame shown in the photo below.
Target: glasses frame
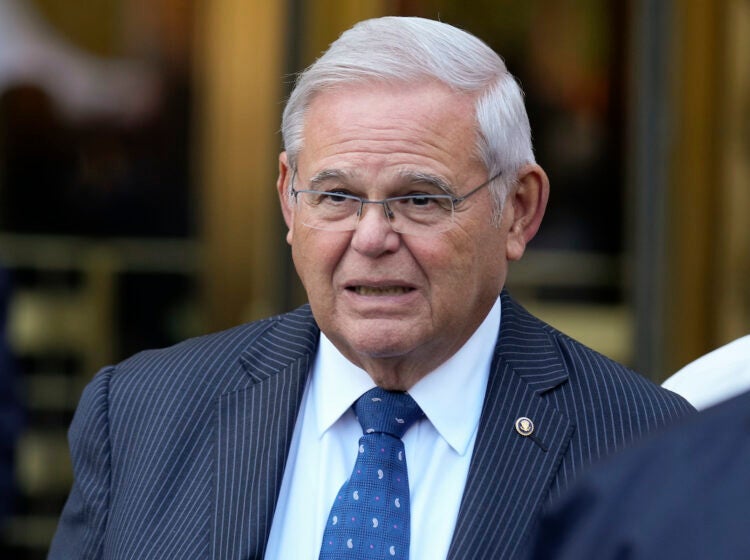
{"x": 389, "y": 214}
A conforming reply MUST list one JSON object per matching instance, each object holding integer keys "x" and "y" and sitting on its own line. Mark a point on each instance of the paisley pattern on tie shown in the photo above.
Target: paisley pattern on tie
{"x": 370, "y": 515}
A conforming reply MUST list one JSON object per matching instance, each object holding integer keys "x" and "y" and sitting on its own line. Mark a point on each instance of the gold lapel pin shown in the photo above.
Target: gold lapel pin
{"x": 524, "y": 426}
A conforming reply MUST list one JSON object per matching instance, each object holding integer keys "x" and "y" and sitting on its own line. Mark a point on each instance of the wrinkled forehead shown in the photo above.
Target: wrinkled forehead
{"x": 379, "y": 109}
{"x": 386, "y": 133}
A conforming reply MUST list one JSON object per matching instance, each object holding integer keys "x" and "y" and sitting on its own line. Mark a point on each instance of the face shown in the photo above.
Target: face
{"x": 393, "y": 303}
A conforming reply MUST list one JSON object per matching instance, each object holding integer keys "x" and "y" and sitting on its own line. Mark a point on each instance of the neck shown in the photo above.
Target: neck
{"x": 395, "y": 380}
{"x": 401, "y": 373}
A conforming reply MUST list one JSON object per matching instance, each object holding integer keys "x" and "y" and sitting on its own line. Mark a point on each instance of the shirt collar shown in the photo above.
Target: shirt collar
{"x": 336, "y": 383}
{"x": 452, "y": 395}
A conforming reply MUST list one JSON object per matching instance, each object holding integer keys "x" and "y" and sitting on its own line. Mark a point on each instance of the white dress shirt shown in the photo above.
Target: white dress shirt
{"x": 714, "y": 377}
{"x": 438, "y": 448}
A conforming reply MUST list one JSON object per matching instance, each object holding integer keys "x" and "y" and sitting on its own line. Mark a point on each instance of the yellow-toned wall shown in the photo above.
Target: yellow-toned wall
{"x": 708, "y": 247}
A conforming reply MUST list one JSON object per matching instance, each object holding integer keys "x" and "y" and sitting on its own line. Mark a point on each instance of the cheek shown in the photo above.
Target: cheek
{"x": 475, "y": 268}
{"x": 491, "y": 253}
{"x": 315, "y": 256}
{"x": 449, "y": 265}
{"x": 492, "y": 269}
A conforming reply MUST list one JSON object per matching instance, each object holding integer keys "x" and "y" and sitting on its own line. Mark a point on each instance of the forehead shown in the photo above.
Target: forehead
{"x": 368, "y": 128}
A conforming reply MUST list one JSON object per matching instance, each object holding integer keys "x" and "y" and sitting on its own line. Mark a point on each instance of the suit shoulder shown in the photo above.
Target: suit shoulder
{"x": 590, "y": 377}
{"x": 217, "y": 353}
{"x": 592, "y": 372}
{"x": 692, "y": 441}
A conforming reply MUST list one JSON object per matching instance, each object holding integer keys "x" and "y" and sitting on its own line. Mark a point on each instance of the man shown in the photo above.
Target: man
{"x": 681, "y": 495}
{"x": 408, "y": 183}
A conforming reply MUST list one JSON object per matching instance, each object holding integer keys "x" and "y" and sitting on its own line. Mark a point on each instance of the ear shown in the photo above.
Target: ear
{"x": 283, "y": 185}
{"x": 525, "y": 204}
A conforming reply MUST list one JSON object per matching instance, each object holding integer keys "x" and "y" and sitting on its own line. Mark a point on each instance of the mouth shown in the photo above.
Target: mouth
{"x": 380, "y": 290}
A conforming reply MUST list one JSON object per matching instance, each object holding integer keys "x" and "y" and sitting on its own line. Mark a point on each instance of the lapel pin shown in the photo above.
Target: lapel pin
{"x": 524, "y": 426}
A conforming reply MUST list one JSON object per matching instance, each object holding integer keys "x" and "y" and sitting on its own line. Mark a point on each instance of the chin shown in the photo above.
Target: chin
{"x": 382, "y": 345}
{"x": 377, "y": 337}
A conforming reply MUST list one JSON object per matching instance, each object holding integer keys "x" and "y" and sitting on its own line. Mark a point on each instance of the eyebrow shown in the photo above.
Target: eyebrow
{"x": 406, "y": 176}
{"x": 327, "y": 174}
{"x": 434, "y": 180}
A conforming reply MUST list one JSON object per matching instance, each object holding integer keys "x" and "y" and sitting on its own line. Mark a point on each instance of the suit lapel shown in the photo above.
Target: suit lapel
{"x": 255, "y": 424}
{"x": 510, "y": 474}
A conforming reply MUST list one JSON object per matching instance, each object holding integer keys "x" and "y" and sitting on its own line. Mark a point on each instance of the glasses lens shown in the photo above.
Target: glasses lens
{"x": 328, "y": 210}
{"x": 421, "y": 214}
{"x": 413, "y": 215}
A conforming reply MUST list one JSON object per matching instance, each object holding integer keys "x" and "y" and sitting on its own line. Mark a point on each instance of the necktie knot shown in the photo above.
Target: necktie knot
{"x": 381, "y": 411}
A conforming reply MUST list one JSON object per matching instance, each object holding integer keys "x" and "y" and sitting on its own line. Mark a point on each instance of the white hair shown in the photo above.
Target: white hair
{"x": 409, "y": 49}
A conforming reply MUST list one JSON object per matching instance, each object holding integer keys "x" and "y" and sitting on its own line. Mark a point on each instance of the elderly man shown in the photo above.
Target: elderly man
{"x": 413, "y": 409}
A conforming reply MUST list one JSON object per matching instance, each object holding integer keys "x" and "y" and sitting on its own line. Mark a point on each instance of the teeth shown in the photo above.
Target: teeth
{"x": 389, "y": 291}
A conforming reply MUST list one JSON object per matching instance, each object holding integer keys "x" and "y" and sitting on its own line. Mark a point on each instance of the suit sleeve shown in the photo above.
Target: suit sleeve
{"x": 82, "y": 524}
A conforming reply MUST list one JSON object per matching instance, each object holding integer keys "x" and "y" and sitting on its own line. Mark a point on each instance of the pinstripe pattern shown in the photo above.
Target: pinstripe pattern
{"x": 583, "y": 406}
{"x": 180, "y": 453}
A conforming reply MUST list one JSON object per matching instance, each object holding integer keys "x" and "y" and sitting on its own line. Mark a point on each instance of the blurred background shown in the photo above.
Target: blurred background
{"x": 138, "y": 146}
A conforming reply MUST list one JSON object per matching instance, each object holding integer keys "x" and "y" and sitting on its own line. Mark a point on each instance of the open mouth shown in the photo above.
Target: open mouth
{"x": 380, "y": 291}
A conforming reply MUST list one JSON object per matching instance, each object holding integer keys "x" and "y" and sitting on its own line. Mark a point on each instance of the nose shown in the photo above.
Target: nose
{"x": 374, "y": 235}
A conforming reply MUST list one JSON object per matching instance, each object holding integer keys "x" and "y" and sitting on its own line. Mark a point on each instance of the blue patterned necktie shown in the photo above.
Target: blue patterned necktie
{"x": 370, "y": 515}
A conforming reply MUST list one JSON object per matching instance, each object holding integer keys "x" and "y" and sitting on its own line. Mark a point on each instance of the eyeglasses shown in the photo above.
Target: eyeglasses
{"x": 412, "y": 214}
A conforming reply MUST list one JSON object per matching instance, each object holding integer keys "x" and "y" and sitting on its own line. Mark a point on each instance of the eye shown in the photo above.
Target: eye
{"x": 333, "y": 197}
{"x": 420, "y": 200}
{"x": 426, "y": 202}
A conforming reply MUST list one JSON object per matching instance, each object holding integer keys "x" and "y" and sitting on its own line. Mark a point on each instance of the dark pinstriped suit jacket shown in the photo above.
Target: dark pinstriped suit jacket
{"x": 180, "y": 453}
